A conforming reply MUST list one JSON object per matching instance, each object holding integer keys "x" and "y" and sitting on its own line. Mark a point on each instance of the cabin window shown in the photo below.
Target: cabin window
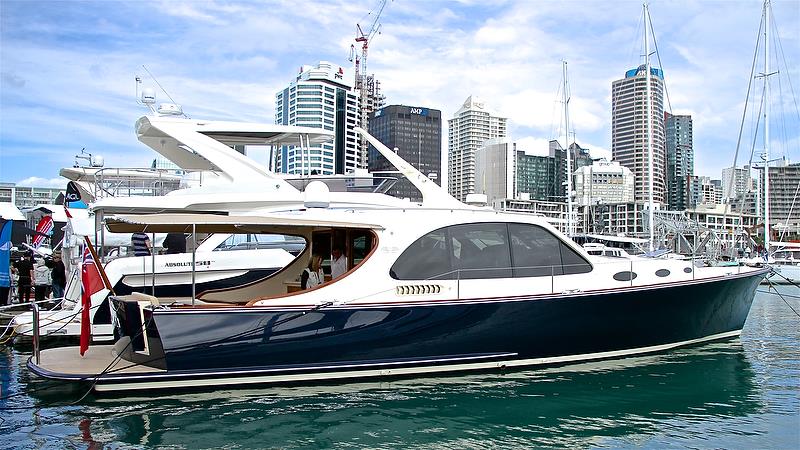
{"x": 538, "y": 253}
{"x": 481, "y": 250}
{"x": 427, "y": 258}
{"x": 487, "y": 250}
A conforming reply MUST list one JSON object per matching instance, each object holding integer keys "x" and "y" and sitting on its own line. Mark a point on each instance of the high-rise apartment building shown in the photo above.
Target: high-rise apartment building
{"x": 495, "y": 170}
{"x": 320, "y": 96}
{"x": 416, "y": 132}
{"x": 629, "y": 140}
{"x": 736, "y": 182}
{"x": 680, "y": 158}
{"x": 784, "y": 195}
{"x": 471, "y": 126}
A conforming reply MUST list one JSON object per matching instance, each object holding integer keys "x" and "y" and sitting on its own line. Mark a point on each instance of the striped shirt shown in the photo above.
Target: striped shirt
{"x": 139, "y": 242}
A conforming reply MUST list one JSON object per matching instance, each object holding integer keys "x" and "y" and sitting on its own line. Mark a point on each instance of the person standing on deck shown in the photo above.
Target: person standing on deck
{"x": 174, "y": 243}
{"x": 339, "y": 263}
{"x": 141, "y": 244}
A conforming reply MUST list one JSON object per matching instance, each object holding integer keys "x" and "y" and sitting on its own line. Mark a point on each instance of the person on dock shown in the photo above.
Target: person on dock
{"x": 58, "y": 275}
{"x": 24, "y": 269}
{"x": 41, "y": 279}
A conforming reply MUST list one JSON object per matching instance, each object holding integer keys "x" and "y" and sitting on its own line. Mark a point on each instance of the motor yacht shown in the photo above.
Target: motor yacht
{"x": 434, "y": 287}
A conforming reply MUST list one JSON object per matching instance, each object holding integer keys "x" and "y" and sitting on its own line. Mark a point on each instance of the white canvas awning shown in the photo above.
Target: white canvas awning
{"x": 9, "y": 211}
{"x": 211, "y": 223}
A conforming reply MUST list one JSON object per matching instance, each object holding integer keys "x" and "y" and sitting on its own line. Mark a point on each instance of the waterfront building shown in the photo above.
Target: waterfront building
{"x": 622, "y": 219}
{"x": 416, "y": 133}
{"x": 26, "y": 197}
{"x": 629, "y": 129}
{"x": 554, "y": 212}
{"x": 471, "y": 126}
{"x": 495, "y": 169}
{"x": 320, "y": 96}
{"x": 603, "y": 182}
{"x": 727, "y": 224}
{"x": 680, "y": 158}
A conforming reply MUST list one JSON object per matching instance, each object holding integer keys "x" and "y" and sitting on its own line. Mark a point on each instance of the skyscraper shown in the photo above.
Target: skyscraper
{"x": 680, "y": 158}
{"x": 495, "y": 167}
{"x": 629, "y": 129}
{"x": 471, "y": 126}
{"x": 320, "y": 96}
{"x": 416, "y": 132}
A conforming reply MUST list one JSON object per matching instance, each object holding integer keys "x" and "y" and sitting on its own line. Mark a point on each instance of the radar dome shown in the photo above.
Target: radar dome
{"x": 148, "y": 96}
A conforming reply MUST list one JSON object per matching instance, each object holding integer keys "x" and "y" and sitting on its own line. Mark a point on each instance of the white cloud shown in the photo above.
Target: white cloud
{"x": 60, "y": 183}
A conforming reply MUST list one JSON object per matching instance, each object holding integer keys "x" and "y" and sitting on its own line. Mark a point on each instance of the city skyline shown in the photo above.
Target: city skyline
{"x": 68, "y": 68}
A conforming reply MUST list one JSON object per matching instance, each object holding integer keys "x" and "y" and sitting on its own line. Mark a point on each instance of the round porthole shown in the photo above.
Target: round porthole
{"x": 662, "y": 273}
{"x": 687, "y": 269}
{"x": 625, "y": 276}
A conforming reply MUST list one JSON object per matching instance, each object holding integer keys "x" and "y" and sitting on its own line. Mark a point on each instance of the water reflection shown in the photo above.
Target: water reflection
{"x": 571, "y": 406}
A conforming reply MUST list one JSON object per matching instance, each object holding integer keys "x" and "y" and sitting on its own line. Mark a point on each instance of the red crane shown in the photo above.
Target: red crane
{"x": 364, "y": 39}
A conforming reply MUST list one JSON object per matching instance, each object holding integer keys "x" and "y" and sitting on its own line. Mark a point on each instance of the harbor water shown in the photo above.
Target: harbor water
{"x": 739, "y": 393}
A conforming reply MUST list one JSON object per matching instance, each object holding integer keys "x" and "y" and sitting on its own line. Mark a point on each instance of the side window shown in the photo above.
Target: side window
{"x": 572, "y": 261}
{"x": 428, "y": 258}
{"x": 483, "y": 251}
{"x": 536, "y": 252}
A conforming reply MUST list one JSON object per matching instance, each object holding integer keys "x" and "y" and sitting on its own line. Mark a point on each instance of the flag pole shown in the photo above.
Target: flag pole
{"x": 99, "y": 266}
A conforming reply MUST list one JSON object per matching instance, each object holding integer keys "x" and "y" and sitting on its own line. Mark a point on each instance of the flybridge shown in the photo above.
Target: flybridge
{"x": 199, "y": 145}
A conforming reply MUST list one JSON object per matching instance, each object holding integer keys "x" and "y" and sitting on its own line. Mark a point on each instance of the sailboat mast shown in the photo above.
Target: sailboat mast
{"x": 569, "y": 153}
{"x": 649, "y": 121}
{"x": 766, "y": 124}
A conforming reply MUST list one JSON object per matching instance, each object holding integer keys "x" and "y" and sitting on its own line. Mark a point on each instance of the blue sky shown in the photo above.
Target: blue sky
{"x": 67, "y": 68}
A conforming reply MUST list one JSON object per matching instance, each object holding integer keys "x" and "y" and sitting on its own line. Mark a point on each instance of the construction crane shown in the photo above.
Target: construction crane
{"x": 361, "y": 79}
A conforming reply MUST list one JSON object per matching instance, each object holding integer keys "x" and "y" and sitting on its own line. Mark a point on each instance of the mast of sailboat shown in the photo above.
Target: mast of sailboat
{"x": 766, "y": 125}
{"x": 649, "y": 120}
{"x": 569, "y": 154}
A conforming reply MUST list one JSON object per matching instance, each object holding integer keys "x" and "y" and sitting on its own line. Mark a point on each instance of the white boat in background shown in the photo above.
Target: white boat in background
{"x": 784, "y": 258}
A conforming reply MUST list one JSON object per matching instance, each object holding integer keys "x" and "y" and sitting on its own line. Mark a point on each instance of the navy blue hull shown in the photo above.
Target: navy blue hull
{"x": 430, "y": 334}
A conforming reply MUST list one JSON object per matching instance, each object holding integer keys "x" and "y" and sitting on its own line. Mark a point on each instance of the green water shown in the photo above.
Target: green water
{"x": 740, "y": 393}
